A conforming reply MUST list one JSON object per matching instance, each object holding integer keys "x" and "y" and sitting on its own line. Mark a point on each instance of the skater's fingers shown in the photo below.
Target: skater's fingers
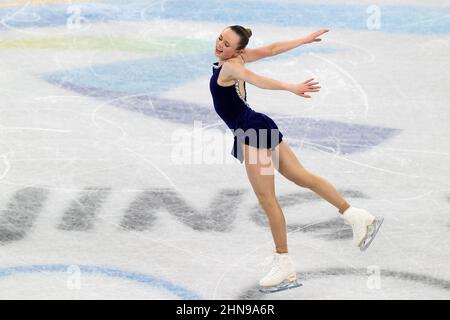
{"x": 309, "y": 80}
{"x": 322, "y": 31}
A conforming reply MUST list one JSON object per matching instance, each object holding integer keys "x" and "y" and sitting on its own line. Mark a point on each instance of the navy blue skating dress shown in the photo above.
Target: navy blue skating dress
{"x": 237, "y": 114}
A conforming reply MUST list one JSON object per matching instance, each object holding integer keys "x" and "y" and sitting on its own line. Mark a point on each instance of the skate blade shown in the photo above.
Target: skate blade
{"x": 371, "y": 233}
{"x": 281, "y": 287}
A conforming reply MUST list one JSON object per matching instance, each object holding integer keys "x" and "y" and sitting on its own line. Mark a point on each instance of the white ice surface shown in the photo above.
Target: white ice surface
{"x": 64, "y": 142}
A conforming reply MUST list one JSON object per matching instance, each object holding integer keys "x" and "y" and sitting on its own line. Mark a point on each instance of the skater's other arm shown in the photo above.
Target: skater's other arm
{"x": 250, "y": 55}
{"x": 239, "y": 72}
{"x": 283, "y": 46}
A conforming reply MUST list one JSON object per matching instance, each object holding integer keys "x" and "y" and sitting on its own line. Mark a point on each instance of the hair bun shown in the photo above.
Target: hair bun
{"x": 249, "y": 32}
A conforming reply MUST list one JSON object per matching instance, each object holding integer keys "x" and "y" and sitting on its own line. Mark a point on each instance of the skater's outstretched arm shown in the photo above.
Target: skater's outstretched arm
{"x": 278, "y": 47}
{"x": 250, "y": 55}
{"x": 283, "y": 46}
{"x": 239, "y": 72}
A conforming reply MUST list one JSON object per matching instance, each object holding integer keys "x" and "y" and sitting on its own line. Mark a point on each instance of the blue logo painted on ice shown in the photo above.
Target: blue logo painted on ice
{"x": 149, "y": 280}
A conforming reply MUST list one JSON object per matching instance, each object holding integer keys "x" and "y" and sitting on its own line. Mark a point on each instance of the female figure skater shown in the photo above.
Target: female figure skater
{"x": 227, "y": 87}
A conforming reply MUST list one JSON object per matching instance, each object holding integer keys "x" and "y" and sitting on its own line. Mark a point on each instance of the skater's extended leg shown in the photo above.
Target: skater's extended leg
{"x": 364, "y": 225}
{"x": 291, "y": 168}
{"x": 259, "y": 167}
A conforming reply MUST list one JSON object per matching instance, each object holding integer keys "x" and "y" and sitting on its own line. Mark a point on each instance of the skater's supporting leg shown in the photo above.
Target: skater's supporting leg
{"x": 291, "y": 168}
{"x": 259, "y": 167}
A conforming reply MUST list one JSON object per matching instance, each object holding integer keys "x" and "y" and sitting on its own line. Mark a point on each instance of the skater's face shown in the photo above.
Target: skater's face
{"x": 226, "y": 44}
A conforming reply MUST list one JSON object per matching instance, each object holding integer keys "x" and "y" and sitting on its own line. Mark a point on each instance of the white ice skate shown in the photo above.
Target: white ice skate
{"x": 364, "y": 225}
{"x": 282, "y": 276}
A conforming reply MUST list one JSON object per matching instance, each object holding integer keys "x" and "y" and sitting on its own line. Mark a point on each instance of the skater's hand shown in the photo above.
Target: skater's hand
{"x": 314, "y": 37}
{"x": 307, "y": 86}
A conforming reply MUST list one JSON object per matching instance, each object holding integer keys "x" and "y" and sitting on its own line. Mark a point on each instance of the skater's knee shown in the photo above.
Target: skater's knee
{"x": 266, "y": 198}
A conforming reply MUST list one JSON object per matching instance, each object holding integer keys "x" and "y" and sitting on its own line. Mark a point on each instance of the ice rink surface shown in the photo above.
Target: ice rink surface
{"x": 96, "y": 201}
